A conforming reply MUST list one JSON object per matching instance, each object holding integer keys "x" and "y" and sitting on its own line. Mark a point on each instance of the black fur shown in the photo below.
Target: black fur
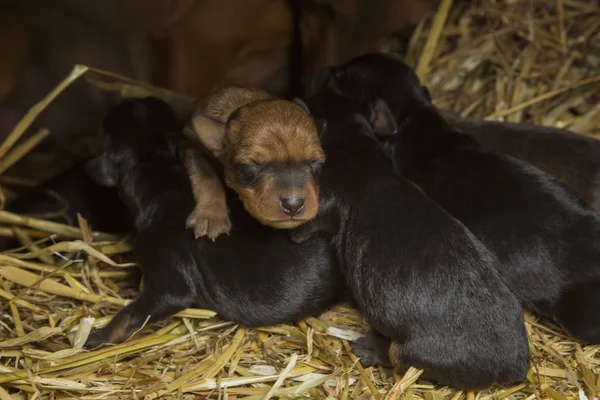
{"x": 547, "y": 240}
{"x": 255, "y": 276}
{"x": 573, "y": 158}
{"x": 418, "y": 275}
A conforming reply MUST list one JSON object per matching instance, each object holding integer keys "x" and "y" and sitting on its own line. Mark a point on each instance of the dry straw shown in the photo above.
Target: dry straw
{"x": 531, "y": 60}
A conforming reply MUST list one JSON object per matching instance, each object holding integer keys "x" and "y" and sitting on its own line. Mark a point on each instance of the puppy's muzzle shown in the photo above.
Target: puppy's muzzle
{"x": 291, "y": 206}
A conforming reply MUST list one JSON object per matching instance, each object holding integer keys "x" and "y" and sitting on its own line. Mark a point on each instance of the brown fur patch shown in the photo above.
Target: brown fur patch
{"x": 241, "y": 126}
{"x": 208, "y": 124}
{"x": 210, "y": 216}
{"x": 121, "y": 329}
{"x": 394, "y": 355}
{"x": 273, "y": 131}
{"x": 117, "y": 331}
{"x": 400, "y": 365}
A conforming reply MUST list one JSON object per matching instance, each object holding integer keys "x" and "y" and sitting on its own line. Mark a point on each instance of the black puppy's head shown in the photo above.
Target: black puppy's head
{"x": 134, "y": 130}
{"x": 381, "y": 86}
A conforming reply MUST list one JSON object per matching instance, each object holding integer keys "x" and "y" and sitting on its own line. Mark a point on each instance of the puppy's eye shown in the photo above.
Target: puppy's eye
{"x": 316, "y": 167}
{"x": 255, "y": 164}
{"x": 248, "y": 173}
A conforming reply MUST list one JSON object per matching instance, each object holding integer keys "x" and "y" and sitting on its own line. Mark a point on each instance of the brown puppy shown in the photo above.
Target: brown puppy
{"x": 271, "y": 155}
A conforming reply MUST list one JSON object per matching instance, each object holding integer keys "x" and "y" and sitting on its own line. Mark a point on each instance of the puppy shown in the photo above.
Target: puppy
{"x": 573, "y": 158}
{"x": 418, "y": 275}
{"x": 255, "y": 276}
{"x": 271, "y": 156}
{"x": 547, "y": 240}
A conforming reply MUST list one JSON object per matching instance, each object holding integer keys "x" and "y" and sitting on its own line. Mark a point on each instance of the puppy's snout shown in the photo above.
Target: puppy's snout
{"x": 292, "y": 205}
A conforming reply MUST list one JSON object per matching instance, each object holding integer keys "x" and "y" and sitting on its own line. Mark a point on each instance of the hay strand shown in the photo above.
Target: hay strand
{"x": 70, "y": 232}
{"x": 20, "y": 151}
{"x": 432, "y": 39}
{"x": 34, "y": 111}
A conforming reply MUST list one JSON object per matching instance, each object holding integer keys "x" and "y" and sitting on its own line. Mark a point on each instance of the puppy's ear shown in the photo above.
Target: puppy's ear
{"x": 302, "y": 104}
{"x": 426, "y": 93}
{"x": 102, "y": 171}
{"x": 382, "y": 119}
{"x": 210, "y": 132}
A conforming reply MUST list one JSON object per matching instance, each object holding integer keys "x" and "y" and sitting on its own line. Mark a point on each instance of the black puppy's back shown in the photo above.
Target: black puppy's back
{"x": 417, "y": 274}
{"x": 573, "y": 158}
{"x": 544, "y": 236}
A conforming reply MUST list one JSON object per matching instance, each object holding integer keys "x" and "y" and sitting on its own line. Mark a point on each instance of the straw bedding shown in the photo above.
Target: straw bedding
{"x": 522, "y": 61}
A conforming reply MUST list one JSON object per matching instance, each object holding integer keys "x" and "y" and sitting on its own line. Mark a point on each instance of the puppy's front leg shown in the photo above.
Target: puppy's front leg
{"x": 210, "y": 217}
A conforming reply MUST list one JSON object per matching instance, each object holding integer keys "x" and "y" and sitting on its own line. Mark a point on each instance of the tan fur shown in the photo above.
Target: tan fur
{"x": 210, "y": 216}
{"x": 120, "y": 331}
{"x": 209, "y": 122}
{"x": 394, "y": 355}
{"x": 400, "y": 366}
{"x": 223, "y": 102}
{"x": 240, "y": 126}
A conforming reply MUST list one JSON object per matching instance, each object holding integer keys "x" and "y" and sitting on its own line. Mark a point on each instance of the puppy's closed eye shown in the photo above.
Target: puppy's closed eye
{"x": 316, "y": 167}
{"x": 248, "y": 173}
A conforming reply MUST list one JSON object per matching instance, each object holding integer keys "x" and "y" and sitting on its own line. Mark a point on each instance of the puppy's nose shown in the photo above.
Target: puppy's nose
{"x": 291, "y": 206}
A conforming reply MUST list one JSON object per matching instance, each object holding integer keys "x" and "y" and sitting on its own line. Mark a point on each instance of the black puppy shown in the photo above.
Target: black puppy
{"x": 547, "y": 240}
{"x": 255, "y": 276}
{"x": 573, "y": 158}
{"x": 418, "y": 275}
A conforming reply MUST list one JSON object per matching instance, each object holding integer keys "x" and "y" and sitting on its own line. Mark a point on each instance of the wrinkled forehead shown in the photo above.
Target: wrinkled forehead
{"x": 275, "y": 130}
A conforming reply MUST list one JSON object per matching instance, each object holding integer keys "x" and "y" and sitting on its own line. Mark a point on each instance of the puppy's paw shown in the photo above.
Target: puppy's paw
{"x": 372, "y": 350}
{"x": 99, "y": 338}
{"x": 114, "y": 333}
{"x": 368, "y": 357}
{"x": 210, "y": 221}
